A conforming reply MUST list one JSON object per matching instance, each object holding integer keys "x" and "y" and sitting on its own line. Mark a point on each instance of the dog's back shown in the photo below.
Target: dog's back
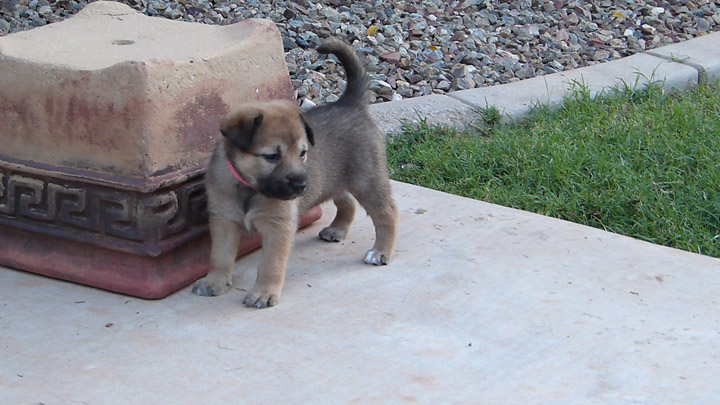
{"x": 348, "y": 160}
{"x": 357, "y": 153}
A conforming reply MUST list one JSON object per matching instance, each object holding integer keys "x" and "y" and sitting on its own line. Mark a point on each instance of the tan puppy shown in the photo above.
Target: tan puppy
{"x": 276, "y": 162}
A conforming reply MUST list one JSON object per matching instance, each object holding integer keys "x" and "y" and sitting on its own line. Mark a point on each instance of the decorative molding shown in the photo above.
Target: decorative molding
{"x": 148, "y": 224}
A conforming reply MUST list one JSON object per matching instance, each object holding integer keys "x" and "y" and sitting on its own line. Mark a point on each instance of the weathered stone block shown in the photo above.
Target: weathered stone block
{"x": 106, "y": 122}
{"x": 115, "y": 92}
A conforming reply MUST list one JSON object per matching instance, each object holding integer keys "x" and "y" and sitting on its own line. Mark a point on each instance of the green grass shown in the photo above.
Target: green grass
{"x": 639, "y": 163}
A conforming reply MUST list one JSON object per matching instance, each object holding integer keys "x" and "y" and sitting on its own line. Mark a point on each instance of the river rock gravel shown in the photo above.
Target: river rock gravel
{"x": 419, "y": 47}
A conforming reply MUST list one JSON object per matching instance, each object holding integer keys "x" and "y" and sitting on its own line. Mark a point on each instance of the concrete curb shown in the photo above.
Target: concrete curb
{"x": 702, "y": 54}
{"x": 676, "y": 67}
{"x": 437, "y": 109}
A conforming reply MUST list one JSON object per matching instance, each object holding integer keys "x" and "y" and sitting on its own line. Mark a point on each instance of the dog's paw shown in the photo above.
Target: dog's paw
{"x": 331, "y": 234}
{"x": 210, "y": 286}
{"x": 261, "y": 300}
{"x": 377, "y": 258}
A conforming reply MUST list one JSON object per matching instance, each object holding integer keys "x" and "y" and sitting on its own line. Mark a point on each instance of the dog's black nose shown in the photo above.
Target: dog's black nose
{"x": 297, "y": 186}
{"x": 297, "y": 183}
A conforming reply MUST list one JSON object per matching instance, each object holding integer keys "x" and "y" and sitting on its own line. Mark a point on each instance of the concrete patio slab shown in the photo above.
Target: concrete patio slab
{"x": 701, "y": 53}
{"x": 514, "y": 100}
{"x": 482, "y": 304}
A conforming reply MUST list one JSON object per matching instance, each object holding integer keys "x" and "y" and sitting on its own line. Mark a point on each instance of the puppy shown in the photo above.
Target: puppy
{"x": 275, "y": 162}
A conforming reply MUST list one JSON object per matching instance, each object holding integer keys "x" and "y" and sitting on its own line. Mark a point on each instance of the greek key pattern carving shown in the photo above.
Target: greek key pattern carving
{"x": 123, "y": 220}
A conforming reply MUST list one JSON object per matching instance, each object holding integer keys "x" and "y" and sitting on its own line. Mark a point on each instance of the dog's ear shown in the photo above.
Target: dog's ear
{"x": 308, "y": 131}
{"x": 241, "y": 128}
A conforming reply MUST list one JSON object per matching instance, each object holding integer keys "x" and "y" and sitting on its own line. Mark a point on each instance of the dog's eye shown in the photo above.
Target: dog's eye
{"x": 272, "y": 157}
{"x": 303, "y": 154}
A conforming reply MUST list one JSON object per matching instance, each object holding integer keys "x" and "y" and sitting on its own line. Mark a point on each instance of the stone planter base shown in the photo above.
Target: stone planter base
{"x": 107, "y": 120}
{"x": 126, "y": 273}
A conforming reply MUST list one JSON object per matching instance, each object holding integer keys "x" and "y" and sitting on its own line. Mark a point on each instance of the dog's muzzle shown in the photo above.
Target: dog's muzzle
{"x": 287, "y": 188}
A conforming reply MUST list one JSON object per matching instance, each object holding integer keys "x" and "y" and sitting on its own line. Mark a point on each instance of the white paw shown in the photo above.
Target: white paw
{"x": 375, "y": 258}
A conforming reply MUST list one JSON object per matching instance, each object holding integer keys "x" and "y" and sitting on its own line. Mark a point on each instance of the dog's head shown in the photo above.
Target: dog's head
{"x": 268, "y": 144}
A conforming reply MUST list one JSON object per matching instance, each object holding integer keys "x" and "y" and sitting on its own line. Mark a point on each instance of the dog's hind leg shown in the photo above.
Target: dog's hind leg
{"x": 383, "y": 212}
{"x": 343, "y": 219}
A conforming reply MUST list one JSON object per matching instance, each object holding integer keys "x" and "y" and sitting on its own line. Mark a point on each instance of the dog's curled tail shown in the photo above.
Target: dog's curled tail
{"x": 357, "y": 78}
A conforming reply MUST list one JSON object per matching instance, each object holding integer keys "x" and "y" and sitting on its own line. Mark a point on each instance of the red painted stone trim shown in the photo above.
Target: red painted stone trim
{"x": 121, "y": 272}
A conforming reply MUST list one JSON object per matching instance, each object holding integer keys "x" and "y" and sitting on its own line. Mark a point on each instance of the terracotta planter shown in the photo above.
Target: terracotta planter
{"x": 106, "y": 122}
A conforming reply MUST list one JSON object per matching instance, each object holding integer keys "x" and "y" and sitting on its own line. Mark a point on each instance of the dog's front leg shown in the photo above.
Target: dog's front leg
{"x": 225, "y": 239}
{"x": 277, "y": 237}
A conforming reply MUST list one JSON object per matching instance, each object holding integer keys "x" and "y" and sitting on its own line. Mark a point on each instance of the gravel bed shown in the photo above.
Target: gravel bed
{"x": 419, "y": 47}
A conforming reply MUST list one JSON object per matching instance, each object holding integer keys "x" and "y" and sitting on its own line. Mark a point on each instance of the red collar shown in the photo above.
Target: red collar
{"x": 236, "y": 174}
